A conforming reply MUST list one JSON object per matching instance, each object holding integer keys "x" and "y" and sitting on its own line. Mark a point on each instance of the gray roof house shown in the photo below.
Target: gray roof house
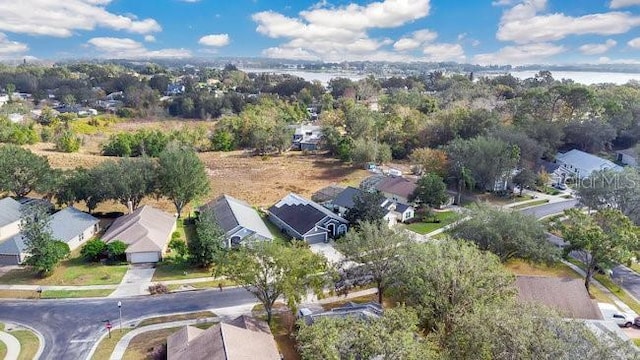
{"x": 306, "y": 220}
{"x": 73, "y": 226}
{"x": 396, "y": 188}
{"x": 370, "y": 310}
{"x": 9, "y": 218}
{"x": 243, "y": 338}
{"x": 241, "y": 223}
{"x": 396, "y": 212}
{"x": 69, "y": 225}
{"x": 307, "y": 137}
{"x": 146, "y": 231}
{"x": 581, "y": 164}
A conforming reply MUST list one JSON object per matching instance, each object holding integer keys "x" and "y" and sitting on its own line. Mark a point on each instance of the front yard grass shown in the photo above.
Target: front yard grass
{"x": 178, "y": 269}
{"x": 178, "y": 317}
{"x": 107, "y": 345}
{"x": 444, "y": 217}
{"x": 74, "y": 271}
{"x": 18, "y": 294}
{"x": 143, "y": 345}
{"x": 521, "y": 267}
{"x": 29, "y": 343}
{"x": 204, "y": 285}
{"x": 63, "y": 294}
{"x": 282, "y": 327}
{"x": 3, "y": 350}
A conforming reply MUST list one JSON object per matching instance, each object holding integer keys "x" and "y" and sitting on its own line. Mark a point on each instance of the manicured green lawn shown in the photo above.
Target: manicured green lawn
{"x": 73, "y": 271}
{"x": 277, "y": 234}
{"x": 29, "y": 343}
{"x": 3, "y": 350}
{"x": 445, "y": 217}
{"x": 530, "y": 203}
{"x": 179, "y": 317}
{"x": 173, "y": 269}
{"x": 62, "y": 294}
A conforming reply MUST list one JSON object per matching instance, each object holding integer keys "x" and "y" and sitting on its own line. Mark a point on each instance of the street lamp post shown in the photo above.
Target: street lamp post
{"x": 120, "y": 311}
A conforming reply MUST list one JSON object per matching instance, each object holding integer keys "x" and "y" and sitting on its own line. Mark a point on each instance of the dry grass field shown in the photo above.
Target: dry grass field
{"x": 257, "y": 180}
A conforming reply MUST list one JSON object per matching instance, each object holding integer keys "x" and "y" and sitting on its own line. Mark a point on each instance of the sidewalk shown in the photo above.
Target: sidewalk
{"x": 12, "y": 344}
{"x": 537, "y": 196}
{"x": 122, "y": 345}
{"x": 622, "y": 306}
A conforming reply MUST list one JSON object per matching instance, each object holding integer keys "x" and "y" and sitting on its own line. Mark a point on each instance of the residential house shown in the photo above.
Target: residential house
{"x": 307, "y": 137}
{"x": 146, "y": 231}
{"x": 567, "y": 296}
{"x": 581, "y": 165}
{"x": 370, "y": 310}
{"x": 69, "y": 225}
{"x": 73, "y": 226}
{"x": 241, "y": 223}
{"x": 9, "y": 218}
{"x": 326, "y": 194}
{"x": 174, "y": 89}
{"x": 628, "y": 156}
{"x": 306, "y": 220}
{"x": 396, "y": 188}
{"x": 396, "y": 212}
{"x": 243, "y": 338}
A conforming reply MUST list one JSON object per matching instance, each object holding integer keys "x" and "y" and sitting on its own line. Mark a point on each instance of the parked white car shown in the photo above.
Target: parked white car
{"x": 611, "y": 312}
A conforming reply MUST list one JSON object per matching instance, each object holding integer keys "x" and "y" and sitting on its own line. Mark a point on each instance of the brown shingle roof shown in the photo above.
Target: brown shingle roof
{"x": 146, "y": 229}
{"x": 398, "y": 186}
{"x": 568, "y": 296}
{"x": 242, "y": 339}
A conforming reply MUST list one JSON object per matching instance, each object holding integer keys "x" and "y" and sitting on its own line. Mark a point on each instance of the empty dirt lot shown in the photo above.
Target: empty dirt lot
{"x": 257, "y": 180}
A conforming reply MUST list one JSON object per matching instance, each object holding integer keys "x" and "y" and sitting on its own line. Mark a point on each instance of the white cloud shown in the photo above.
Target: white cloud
{"x": 616, "y": 4}
{"x": 523, "y": 24}
{"x": 414, "y": 41}
{"x": 10, "y": 48}
{"x": 123, "y": 48}
{"x": 61, "y": 18}
{"x": 444, "y": 52}
{"x": 502, "y": 2}
{"x": 149, "y": 38}
{"x": 335, "y": 33}
{"x": 520, "y": 55}
{"x": 595, "y": 49}
{"x": 606, "y": 60}
{"x": 634, "y": 43}
{"x": 215, "y": 40}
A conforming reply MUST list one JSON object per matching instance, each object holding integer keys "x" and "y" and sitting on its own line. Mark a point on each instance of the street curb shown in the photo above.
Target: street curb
{"x": 128, "y": 323}
{"x": 41, "y": 340}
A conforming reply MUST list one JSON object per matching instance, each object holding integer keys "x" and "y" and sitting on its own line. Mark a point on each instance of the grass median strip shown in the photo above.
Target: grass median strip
{"x": 61, "y": 294}
{"x": 178, "y": 317}
{"x": 29, "y": 343}
{"x": 530, "y": 203}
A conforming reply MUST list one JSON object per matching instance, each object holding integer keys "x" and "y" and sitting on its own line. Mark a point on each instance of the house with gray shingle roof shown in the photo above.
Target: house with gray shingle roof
{"x": 73, "y": 226}
{"x": 69, "y": 225}
{"x": 146, "y": 231}
{"x": 9, "y": 218}
{"x": 581, "y": 165}
{"x": 306, "y": 220}
{"x": 396, "y": 211}
{"x": 241, "y": 223}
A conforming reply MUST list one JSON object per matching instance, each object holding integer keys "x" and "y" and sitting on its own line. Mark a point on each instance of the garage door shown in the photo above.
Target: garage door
{"x": 144, "y": 257}
{"x": 316, "y": 238}
{"x": 9, "y": 260}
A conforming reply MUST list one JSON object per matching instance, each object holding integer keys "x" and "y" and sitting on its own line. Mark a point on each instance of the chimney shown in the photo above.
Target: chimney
{"x": 130, "y": 206}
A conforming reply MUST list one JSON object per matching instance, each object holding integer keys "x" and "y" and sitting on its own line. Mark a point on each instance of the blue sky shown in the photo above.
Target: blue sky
{"x": 473, "y": 31}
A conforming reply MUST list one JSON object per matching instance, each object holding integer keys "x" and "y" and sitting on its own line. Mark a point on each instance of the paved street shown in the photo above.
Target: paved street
{"x": 70, "y": 327}
{"x": 550, "y": 209}
{"x": 628, "y": 279}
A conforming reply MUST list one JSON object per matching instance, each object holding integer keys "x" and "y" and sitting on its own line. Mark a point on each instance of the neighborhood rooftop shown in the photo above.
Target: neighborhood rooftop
{"x": 400, "y": 186}
{"x": 360, "y": 311}
{"x": 301, "y": 214}
{"x": 66, "y": 224}
{"x": 241, "y": 339}
{"x": 231, "y": 213}
{"x": 9, "y": 211}
{"x": 145, "y": 229}
{"x": 568, "y": 296}
{"x": 584, "y": 163}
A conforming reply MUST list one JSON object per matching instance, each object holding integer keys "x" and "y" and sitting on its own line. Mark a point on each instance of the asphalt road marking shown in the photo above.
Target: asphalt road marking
{"x": 82, "y": 341}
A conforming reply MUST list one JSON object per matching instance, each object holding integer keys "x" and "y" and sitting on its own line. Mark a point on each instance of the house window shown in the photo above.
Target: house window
{"x": 81, "y": 237}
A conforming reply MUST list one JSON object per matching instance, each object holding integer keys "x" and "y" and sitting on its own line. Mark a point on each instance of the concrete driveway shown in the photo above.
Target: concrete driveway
{"x": 136, "y": 281}
{"x": 328, "y": 251}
